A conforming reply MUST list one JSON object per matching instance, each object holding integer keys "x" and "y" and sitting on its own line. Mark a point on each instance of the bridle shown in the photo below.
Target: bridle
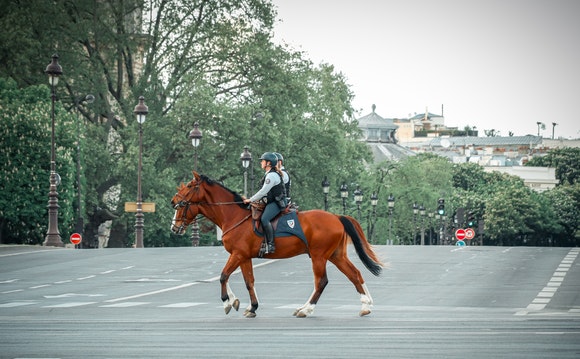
{"x": 184, "y": 203}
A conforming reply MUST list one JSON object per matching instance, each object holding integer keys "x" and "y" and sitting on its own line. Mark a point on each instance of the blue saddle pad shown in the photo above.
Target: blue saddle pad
{"x": 288, "y": 225}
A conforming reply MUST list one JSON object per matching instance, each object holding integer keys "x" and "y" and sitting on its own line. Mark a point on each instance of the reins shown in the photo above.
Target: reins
{"x": 185, "y": 203}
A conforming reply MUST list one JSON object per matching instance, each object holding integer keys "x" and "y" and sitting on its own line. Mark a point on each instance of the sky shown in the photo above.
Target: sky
{"x": 493, "y": 64}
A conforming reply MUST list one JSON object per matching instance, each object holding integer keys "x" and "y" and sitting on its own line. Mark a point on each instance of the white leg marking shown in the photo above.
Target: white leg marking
{"x": 231, "y": 302}
{"x": 367, "y": 302}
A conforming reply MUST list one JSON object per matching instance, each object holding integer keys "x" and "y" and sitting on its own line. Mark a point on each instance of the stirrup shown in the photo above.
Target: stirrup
{"x": 263, "y": 249}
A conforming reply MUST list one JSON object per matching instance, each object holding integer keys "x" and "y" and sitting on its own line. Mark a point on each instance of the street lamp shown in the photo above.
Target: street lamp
{"x": 358, "y": 197}
{"x": 53, "y": 70}
{"x": 195, "y": 137}
{"x": 391, "y": 205}
{"x": 374, "y": 202}
{"x": 415, "y": 211}
{"x": 246, "y": 158}
{"x": 325, "y": 190}
{"x": 430, "y": 214}
{"x": 344, "y": 196}
{"x": 422, "y": 213}
{"x": 140, "y": 111}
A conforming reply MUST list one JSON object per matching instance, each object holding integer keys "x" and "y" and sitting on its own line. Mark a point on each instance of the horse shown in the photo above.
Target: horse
{"x": 327, "y": 237}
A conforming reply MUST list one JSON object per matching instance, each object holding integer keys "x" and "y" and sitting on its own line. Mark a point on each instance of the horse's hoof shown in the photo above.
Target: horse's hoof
{"x": 295, "y": 312}
{"x": 362, "y": 313}
{"x": 250, "y": 315}
{"x": 236, "y": 304}
{"x": 227, "y": 309}
{"x": 300, "y": 314}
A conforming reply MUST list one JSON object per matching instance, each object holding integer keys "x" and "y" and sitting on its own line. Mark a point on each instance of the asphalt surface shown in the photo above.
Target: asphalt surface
{"x": 430, "y": 302}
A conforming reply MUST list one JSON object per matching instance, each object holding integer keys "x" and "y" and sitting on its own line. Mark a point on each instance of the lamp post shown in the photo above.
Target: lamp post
{"x": 140, "y": 111}
{"x": 325, "y": 190}
{"x": 53, "y": 70}
{"x": 422, "y": 213}
{"x": 374, "y": 202}
{"x": 246, "y": 158}
{"x": 195, "y": 137}
{"x": 391, "y": 205}
{"x": 430, "y": 215}
{"x": 344, "y": 196}
{"x": 358, "y": 197}
{"x": 415, "y": 211}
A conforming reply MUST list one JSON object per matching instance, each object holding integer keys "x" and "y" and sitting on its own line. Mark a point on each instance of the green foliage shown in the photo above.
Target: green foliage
{"x": 25, "y": 128}
{"x": 565, "y": 160}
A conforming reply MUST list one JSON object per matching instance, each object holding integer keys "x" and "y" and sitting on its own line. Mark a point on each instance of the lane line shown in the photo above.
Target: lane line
{"x": 151, "y": 293}
{"x": 544, "y": 297}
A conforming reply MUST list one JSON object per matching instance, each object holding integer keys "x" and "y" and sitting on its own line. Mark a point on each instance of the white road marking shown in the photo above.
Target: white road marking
{"x": 181, "y": 305}
{"x": 17, "y": 304}
{"x": 69, "y": 305}
{"x": 545, "y": 295}
{"x": 124, "y": 305}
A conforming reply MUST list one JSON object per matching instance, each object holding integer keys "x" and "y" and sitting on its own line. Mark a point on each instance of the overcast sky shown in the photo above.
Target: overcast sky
{"x": 493, "y": 64}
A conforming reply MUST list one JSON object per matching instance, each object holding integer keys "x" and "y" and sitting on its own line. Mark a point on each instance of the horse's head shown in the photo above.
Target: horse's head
{"x": 184, "y": 204}
{"x": 204, "y": 195}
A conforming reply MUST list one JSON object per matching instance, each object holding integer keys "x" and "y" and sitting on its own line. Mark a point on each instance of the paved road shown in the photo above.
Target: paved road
{"x": 432, "y": 302}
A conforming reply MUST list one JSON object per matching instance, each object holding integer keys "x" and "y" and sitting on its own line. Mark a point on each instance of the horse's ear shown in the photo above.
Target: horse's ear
{"x": 195, "y": 175}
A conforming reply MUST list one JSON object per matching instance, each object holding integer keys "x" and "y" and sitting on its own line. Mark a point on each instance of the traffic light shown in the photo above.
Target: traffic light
{"x": 441, "y": 206}
{"x": 471, "y": 222}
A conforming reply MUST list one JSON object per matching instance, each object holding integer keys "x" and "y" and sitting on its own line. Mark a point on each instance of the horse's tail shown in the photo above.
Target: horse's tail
{"x": 361, "y": 245}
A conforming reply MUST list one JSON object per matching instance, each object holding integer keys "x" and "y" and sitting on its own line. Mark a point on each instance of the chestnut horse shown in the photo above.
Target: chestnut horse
{"x": 327, "y": 237}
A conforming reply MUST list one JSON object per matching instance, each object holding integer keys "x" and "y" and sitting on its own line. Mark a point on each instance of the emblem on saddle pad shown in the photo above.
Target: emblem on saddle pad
{"x": 290, "y": 223}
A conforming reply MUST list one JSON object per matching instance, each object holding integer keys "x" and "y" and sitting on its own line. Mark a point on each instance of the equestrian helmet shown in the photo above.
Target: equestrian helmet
{"x": 270, "y": 157}
{"x": 279, "y": 155}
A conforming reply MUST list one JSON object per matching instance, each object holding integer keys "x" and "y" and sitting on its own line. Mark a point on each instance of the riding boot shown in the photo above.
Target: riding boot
{"x": 269, "y": 234}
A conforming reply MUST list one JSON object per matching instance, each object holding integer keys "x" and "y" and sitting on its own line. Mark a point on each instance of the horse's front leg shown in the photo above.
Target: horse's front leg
{"x": 227, "y": 295}
{"x": 248, "y": 273}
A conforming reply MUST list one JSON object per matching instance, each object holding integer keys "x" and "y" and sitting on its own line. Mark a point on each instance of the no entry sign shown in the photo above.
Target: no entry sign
{"x": 460, "y": 234}
{"x": 75, "y": 238}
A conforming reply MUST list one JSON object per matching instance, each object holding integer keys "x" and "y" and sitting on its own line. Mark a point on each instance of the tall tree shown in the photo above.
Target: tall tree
{"x": 210, "y": 62}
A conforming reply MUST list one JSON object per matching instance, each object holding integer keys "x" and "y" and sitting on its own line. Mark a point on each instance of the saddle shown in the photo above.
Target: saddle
{"x": 258, "y": 208}
{"x": 289, "y": 226}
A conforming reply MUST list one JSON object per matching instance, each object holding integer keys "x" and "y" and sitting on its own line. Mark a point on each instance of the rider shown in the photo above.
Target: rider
{"x": 285, "y": 175}
{"x": 272, "y": 193}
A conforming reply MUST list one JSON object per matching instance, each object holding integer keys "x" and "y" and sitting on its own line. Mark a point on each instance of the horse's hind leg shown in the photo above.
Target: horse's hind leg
{"x": 353, "y": 274}
{"x": 320, "y": 282}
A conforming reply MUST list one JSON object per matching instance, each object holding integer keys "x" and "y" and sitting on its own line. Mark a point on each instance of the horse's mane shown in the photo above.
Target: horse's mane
{"x": 237, "y": 197}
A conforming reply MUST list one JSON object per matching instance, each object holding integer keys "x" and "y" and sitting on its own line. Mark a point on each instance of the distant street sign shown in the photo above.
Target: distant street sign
{"x": 145, "y": 207}
{"x": 460, "y": 234}
{"x": 75, "y": 238}
{"x": 469, "y": 233}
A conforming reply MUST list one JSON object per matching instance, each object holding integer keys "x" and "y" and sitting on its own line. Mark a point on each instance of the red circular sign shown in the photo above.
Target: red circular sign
{"x": 75, "y": 238}
{"x": 460, "y": 234}
{"x": 469, "y": 233}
